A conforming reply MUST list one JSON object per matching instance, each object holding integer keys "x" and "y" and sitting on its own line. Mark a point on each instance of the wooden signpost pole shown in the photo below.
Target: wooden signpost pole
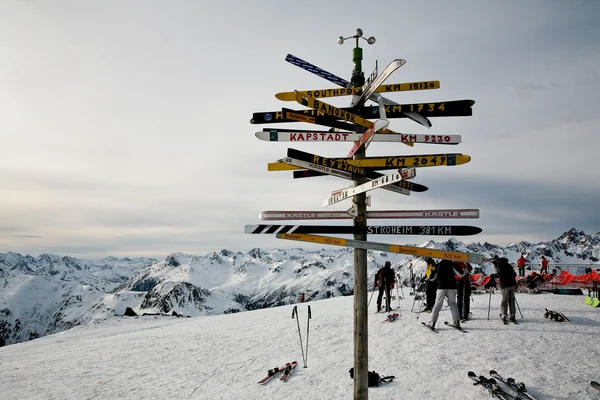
{"x": 361, "y": 327}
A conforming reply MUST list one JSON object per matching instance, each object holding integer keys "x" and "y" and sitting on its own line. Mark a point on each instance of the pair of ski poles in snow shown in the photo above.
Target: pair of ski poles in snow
{"x": 490, "y": 305}
{"x": 295, "y": 315}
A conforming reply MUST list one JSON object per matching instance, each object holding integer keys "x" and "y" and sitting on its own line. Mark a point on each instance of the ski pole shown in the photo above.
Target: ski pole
{"x": 489, "y": 303}
{"x": 398, "y": 293}
{"x": 307, "y": 330}
{"x": 517, "y": 303}
{"x": 372, "y": 293}
{"x": 295, "y": 314}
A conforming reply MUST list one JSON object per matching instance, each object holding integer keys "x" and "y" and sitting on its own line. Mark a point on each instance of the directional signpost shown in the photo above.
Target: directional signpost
{"x": 360, "y": 125}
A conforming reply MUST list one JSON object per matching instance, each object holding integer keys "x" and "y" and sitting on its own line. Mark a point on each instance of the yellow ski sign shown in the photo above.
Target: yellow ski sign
{"x": 385, "y": 247}
{"x": 330, "y": 110}
{"x": 395, "y": 87}
{"x": 433, "y": 160}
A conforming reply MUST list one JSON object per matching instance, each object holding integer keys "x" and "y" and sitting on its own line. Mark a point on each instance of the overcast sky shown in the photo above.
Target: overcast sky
{"x": 124, "y": 125}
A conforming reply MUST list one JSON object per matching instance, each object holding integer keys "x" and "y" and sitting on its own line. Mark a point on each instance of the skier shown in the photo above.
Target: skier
{"x": 544, "y": 264}
{"x": 385, "y": 279}
{"x": 521, "y": 264}
{"x": 463, "y": 290}
{"x": 431, "y": 285}
{"x": 446, "y": 289}
{"x": 508, "y": 286}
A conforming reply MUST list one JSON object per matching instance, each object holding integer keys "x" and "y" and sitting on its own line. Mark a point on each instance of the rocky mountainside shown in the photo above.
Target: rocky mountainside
{"x": 49, "y": 294}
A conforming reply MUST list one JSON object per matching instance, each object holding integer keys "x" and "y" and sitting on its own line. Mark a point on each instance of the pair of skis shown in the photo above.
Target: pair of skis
{"x": 491, "y": 384}
{"x": 556, "y": 316}
{"x": 391, "y": 317}
{"x": 458, "y": 328}
{"x": 286, "y": 372}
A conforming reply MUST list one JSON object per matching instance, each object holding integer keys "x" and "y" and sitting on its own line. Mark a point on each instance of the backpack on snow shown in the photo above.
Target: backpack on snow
{"x": 374, "y": 378}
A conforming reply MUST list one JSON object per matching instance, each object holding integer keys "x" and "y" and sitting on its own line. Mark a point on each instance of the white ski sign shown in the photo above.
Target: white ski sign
{"x": 371, "y": 185}
{"x": 336, "y": 172}
{"x": 456, "y": 213}
{"x": 275, "y": 135}
{"x": 394, "y": 65}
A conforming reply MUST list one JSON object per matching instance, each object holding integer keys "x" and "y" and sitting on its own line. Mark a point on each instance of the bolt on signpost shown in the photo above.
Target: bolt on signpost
{"x": 361, "y": 327}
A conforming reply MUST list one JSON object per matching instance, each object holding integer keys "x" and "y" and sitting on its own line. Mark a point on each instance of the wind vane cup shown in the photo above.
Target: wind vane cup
{"x": 352, "y": 124}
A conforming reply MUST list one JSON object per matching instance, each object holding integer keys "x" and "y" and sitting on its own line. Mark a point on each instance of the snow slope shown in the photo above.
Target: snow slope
{"x": 223, "y": 356}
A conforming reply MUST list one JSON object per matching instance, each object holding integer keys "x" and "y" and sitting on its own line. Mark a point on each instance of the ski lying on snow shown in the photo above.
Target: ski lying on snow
{"x": 271, "y": 374}
{"x": 437, "y": 230}
{"x": 595, "y": 385}
{"x": 288, "y": 370}
{"x": 490, "y": 385}
{"x": 391, "y": 317}
{"x": 519, "y": 387}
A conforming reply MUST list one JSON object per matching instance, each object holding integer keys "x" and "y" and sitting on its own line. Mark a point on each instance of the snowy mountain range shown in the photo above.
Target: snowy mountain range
{"x": 49, "y": 294}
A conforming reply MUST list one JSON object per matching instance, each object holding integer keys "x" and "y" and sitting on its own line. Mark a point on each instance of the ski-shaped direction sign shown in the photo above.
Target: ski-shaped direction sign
{"x": 367, "y": 92}
{"x": 294, "y": 116}
{"x": 344, "y": 83}
{"x": 459, "y": 213}
{"x": 280, "y": 135}
{"x": 352, "y": 91}
{"x": 327, "y": 109}
{"x": 365, "y": 137}
{"x": 411, "y": 161}
{"x": 452, "y": 108}
{"x": 381, "y": 182}
{"x": 385, "y": 247}
{"x": 429, "y": 230}
{"x": 343, "y": 174}
{"x": 431, "y": 160}
{"x": 320, "y": 162}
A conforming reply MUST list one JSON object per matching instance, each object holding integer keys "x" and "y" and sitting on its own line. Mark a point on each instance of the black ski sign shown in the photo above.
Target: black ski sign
{"x": 454, "y": 108}
{"x": 430, "y": 230}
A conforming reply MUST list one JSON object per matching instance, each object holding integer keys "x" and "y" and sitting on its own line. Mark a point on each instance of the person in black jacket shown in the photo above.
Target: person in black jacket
{"x": 446, "y": 289}
{"x": 508, "y": 285}
{"x": 385, "y": 279}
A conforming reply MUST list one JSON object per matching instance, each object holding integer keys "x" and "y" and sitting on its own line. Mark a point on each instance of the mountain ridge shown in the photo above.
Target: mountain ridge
{"x": 49, "y": 293}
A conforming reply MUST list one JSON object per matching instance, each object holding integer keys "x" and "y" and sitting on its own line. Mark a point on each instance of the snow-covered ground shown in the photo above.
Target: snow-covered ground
{"x": 223, "y": 356}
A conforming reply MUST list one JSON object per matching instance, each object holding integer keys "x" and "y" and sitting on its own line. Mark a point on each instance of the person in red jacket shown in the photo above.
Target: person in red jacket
{"x": 521, "y": 264}
{"x": 385, "y": 280}
{"x": 544, "y": 264}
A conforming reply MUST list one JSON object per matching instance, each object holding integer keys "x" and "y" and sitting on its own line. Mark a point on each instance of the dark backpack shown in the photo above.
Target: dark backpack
{"x": 374, "y": 378}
